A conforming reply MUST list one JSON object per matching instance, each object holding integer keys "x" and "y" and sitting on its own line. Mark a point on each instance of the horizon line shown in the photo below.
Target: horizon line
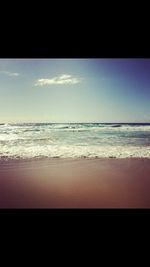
{"x": 72, "y": 122}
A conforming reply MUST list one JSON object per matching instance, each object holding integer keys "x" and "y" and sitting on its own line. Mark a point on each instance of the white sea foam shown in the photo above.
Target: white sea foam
{"x": 74, "y": 151}
{"x": 74, "y": 140}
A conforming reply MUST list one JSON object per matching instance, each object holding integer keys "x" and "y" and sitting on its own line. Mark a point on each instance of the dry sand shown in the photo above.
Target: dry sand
{"x": 75, "y": 183}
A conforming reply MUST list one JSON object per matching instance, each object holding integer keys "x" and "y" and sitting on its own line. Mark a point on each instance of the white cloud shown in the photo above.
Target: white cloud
{"x": 60, "y": 80}
{"x": 10, "y": 73}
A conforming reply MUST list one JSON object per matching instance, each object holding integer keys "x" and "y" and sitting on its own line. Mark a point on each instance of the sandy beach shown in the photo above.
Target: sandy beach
{"x": 75, "y": 183}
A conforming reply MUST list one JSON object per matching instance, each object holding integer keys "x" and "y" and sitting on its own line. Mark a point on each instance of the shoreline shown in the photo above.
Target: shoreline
{"x": 7, "y": 159}
{"x": 75, "y": 183}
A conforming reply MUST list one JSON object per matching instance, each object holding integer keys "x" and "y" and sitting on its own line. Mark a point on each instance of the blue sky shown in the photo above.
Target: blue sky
{"x": 75, "y": 90}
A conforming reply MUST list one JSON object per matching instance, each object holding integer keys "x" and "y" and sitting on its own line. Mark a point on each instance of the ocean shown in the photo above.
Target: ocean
{"x": 74, "y": 140}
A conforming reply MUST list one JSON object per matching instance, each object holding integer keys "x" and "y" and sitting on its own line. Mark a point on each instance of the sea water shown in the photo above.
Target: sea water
{"x": 75, "y": 140}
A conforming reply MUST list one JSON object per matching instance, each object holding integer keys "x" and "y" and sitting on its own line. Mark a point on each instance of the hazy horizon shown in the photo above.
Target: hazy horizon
{"x": 48, "y": 122}
{"x": 74, "y": 90}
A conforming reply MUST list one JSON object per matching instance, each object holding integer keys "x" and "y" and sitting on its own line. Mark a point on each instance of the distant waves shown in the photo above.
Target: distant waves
{"x": 75, "y": 140}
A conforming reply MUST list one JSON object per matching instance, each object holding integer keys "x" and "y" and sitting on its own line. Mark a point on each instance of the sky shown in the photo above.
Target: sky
{"x": 74, "y": 90}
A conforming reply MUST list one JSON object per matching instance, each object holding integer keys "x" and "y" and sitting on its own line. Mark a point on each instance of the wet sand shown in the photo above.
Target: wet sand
{"x": 75, "y": 183}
